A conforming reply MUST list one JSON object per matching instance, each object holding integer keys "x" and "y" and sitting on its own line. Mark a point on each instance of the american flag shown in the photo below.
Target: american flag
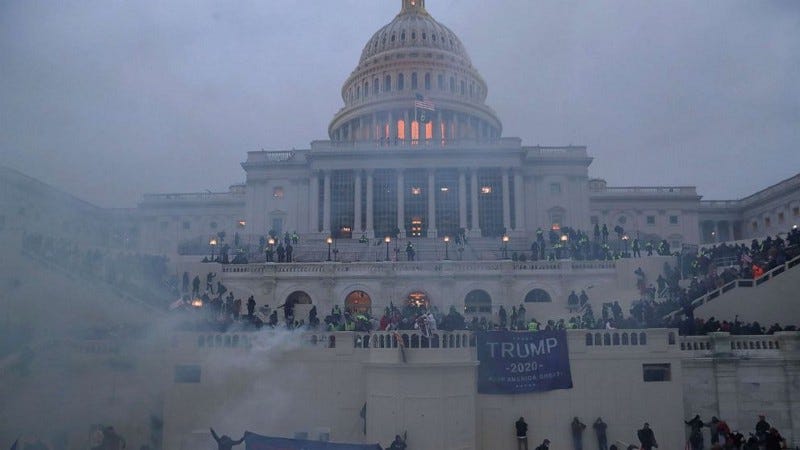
{"x": 424, "y": 103}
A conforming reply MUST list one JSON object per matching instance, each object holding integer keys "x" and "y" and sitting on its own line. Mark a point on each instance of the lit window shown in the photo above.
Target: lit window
{"x": 444, "y": 189}
{"x": 416, "y": 190}
{"x": 241, "y": 223}
{"x": 673, "y": 220}
{"x": 277, "y": 192}
{"x": 401, "y": 129}
{"x": 555, "y": 188}
{"x": 429, "y": 130}
{"x": 486, "y": 189}
{"x": 415, "y": 130}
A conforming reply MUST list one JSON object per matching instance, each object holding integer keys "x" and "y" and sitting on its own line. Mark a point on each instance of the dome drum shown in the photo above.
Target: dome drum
{"x": 414, "y": 56}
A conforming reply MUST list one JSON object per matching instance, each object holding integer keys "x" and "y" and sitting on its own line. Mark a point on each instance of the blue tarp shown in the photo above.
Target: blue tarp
{"x": 516, "y": 363}
{"x": 257, "y": 442}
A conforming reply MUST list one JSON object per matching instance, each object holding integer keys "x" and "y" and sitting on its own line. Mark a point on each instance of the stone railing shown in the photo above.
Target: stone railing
{"x": 661, "y": 190}
{"x": 745, "y": 283}
{"x": 415, "y": 267}
{"x": 383, "y": 144}
{"x": 721, "y": 344}
{"x": 194, "y": 197}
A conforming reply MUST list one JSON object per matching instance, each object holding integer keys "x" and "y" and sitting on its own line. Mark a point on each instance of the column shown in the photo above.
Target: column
{"x": 730, "y": 231}
{"x": 370, "y": 226}
{"x": 373, "y": 127}
{"x": 506, "y": 202}
{"x": 432, "y": 203}
{"x": 313, "y": 202}
{"x": 519, "y": 205}
{"x": 326, "y": 210}
{"x": 462, "y": 199}
{"x": 476, "y": 225}
{"x": 715, "y": 237}
{"x": 401, "y": 206}
{"x": 392, "y": 128}
{"x": 406, "y": 128}
{"x": 357, "y": 205}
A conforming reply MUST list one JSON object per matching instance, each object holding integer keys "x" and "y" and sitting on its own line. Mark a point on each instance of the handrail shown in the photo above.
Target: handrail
{"x": 708, "y": 296}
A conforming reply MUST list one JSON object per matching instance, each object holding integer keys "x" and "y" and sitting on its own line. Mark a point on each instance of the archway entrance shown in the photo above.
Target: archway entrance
{"x": 358, "y": 302}
{"x": 297, "y": 305}
{"x": 478, "y": 301}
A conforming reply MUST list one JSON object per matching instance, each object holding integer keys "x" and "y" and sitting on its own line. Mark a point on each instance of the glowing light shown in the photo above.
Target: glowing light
{"x": 429, "y": 131}
{"x": 505, "y": 239}
{"x": 329, "y": 240}
{"x": 416, "y": 190}
{"x": 212, "y": 242}
{"x": 564, "y": 238}
{"x": 447, "y": 238}
{"x": 444, "y": 189}
{"x": 242, "y": 223}
{"x": 387, "y": 239}
{"x": 271, "y": 241}
{"x": 486, "y": 189}
{"x": 401, "y": 129}
{"x": 555, "y": 227}
{"x": 197, "y": 303}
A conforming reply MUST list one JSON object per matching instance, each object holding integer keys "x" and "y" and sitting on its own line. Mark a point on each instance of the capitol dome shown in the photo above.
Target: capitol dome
{"x": 414, "y": 84}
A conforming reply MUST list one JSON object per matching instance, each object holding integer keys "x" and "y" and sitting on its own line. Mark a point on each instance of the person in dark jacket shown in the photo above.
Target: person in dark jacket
{"x": 576, "y": 430}
{"x": 696, "y": 432}
{"x": 225, "y": 442}
{"x": 545, "y": 445}
{"x": 522, "y": 434}
{"x": 600, "y": 429}
{"x": 647, "y": 438}
{"x": 762, "y": 428}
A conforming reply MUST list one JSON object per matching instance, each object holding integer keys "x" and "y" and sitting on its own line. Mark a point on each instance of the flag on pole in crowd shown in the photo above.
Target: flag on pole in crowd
{"x": 423, "y": 107}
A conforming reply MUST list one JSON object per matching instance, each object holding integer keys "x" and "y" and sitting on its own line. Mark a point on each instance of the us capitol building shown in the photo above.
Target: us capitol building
{"x": 414, "y": 156}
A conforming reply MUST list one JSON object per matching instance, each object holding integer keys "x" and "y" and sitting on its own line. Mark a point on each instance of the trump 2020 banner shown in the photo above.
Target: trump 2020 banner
{"x": 520, "y": 362}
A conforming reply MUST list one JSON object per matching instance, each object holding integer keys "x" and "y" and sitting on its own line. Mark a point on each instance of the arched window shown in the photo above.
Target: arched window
{"x": 428, "y": 81}
{"x": 452, "y": 85}
{"x": 375, "y": 85}
{"x": 387, "y": 83}
{"x": 366, "y": 89}
{"x": 413, "y": 80}
{"x": 538, "y": 296}
{"x": 463, "y": 87}
{"x": 401, "y": 129}
{"x": 401, "y": 81}
{"x": 358, "y": 302}
{"x": 478, "y": 301}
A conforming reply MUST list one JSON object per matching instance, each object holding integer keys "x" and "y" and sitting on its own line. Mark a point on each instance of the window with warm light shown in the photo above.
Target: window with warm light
{"x": 277, "y": 193}
{"x": 415, "y": 130}
{"x": 401, "y": 129}
{"x": 416, "y": 190}
{"x": 486, "y": 189}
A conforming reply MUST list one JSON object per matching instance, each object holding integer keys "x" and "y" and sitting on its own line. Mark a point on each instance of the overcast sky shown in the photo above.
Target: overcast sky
{"x": 110, "y": 99}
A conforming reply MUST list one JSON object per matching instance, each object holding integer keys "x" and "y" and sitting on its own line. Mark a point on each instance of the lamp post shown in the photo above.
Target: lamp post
{"x": 565, "y": 244}
{"x": 271, "y": 243}
{"x": 505, "y": 239}
{"x": 387, "y": 240}
{"x": 329, "y": 241}
{"x": 213, "y": 244}
{"x": 625, "y": 240}
{"x": 447, "y": 247}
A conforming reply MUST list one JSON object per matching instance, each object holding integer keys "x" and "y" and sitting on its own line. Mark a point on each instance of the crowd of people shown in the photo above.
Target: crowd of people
{"x": 763, "y": 437}
{"x": 145, "y": 276}
{"x": 567, "y": 242}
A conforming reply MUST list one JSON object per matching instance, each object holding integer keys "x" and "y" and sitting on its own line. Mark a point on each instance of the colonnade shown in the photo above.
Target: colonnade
{"x": 509, "y": 179}
{"x": 399, "y": 125}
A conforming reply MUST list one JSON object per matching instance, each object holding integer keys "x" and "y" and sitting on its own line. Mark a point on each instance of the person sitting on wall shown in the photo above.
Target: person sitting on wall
{"x": 545, "y": 445}
{"x": 225, "y": 442}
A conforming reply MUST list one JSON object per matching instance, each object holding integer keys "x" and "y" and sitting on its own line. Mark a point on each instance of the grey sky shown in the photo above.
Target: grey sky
{"x": 111, "y": 99}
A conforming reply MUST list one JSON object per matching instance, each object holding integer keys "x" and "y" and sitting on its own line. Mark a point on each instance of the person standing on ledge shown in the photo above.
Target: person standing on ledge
{"x": 600, "y": 429}
{"x": 577, "y": 427}
{"x": 522, "y": 434}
